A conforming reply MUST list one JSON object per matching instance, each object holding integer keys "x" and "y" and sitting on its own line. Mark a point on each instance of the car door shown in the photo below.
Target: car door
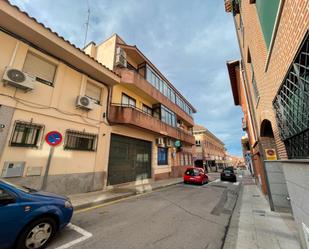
{"x": 11, "y": 214}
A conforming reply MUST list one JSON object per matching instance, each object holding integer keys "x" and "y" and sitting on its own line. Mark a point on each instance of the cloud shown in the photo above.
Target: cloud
{"x": 189, "y": 41}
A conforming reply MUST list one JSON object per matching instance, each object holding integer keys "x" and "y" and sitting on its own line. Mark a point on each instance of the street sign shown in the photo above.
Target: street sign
{"x": 53, "y": 138}
{"x": 270, "y": 154}
{"x": 177, "y": 143}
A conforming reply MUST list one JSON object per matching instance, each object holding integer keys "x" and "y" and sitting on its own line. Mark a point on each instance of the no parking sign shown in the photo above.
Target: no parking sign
{"x": 53, "y": 138}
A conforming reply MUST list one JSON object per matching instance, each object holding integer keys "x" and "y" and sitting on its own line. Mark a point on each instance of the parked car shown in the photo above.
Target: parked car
{"x": 30, "y": 218}
{"x": 195, "y": 175}
{"x": 228, "y": 174}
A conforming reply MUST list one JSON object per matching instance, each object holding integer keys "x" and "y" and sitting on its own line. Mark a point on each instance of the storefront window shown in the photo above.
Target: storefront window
{"x": 162, "y": 156}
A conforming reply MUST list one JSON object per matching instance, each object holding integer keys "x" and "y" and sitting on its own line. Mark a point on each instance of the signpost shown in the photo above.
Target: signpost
{"x": 53, "y": 138}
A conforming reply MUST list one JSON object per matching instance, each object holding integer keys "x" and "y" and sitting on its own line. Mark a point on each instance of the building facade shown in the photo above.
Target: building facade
{"x": 208, "y": 150}
{"x": 43, "y": 78}
{"x": 151, "y": 122}
{"x": 271, "y": 84}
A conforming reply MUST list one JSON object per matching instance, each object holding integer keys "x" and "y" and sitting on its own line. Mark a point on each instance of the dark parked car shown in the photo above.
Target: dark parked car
{"x": 30, "y": 218}
{"x": 228, "y": 174}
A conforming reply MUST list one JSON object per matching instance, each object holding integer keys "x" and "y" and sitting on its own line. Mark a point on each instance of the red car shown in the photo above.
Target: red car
{"x": 195, "y": 175}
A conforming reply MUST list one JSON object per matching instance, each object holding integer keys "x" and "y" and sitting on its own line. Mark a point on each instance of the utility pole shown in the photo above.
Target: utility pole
{"x": 87, "y": 23}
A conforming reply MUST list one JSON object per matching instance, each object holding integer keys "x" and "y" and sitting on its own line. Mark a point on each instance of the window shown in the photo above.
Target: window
{"x": 147, "y": 109}
{"x": 162, "y": 156}
{"x": 267, "y": 12}
{"x": 75, "y": 140}
{"x": 43, "y": 70}
{"x": 197, "y": 142}
{"x": 292, "y": 105}
{"x": 94, "y": 92}
{"x": 182, "y": 161}
{"x": 162, "y": 86}
{"x": 167, "y": 116}
{"x": 128, "y": 101}
{"x": 26, "y": 134}
{"x": 5, "y": 197}
{"x": 254, "y": 85}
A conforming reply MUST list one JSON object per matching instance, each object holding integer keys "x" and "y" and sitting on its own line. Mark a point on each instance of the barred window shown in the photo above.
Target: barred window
{"x": 26, "y": 134}
{"x": 75, "y": 140}
{"x": 292, "y": 105}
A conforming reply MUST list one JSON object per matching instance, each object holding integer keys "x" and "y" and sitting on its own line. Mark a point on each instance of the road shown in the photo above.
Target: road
{"x": 180, "y": 216}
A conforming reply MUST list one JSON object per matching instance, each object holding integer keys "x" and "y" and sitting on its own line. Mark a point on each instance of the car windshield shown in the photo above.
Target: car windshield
{"x": 228, "y": 171}
{"x": 193, "y": 172}
{"x": 22, "y": 188}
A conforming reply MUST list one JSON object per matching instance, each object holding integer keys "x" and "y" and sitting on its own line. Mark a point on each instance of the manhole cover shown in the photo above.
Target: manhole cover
{"x": 255, "y": 195}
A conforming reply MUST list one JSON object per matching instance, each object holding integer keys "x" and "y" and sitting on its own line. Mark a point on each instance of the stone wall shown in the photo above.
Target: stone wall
{"x": 278, "y": 191}
{"x": 297, "y": 178}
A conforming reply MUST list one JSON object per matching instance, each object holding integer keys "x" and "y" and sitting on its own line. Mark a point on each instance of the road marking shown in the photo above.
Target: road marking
{"x": 86, "y": 235}
{"x": 236, "y": 183}
{"x": 225, "y": 182}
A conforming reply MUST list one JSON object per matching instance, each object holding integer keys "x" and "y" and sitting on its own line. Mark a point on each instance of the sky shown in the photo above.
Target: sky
{"x": 189, "y": 41}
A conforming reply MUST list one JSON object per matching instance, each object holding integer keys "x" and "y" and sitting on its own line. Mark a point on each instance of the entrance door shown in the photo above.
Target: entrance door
{"x": 129, "y": 160}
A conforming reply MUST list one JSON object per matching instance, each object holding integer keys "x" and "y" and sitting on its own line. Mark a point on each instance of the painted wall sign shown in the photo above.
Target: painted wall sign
{"x": 270, "y": 154}
{"x": 53, "y": 138}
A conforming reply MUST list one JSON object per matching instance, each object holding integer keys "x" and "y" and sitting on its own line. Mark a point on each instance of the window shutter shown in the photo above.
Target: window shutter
{"x": 93, "y": 91}
{"x": 39, "y": 67}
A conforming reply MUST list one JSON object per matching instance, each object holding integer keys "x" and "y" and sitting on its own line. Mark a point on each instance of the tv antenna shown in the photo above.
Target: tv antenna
{"x": 87, "y": 23}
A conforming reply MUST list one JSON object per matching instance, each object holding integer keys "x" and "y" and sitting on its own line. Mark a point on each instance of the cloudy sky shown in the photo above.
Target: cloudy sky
{"x": 188, "y": 40}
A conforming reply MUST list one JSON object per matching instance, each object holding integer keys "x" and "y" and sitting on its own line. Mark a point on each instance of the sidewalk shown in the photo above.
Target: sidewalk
{"x": 254, "y": 226}
{"x": 90, "y": 199}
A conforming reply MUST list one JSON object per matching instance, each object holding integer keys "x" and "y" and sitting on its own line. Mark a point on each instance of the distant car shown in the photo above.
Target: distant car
{"x": 195, "y": 175}
{"x": 228, "y": 174}
{"x": 30, "y": 218}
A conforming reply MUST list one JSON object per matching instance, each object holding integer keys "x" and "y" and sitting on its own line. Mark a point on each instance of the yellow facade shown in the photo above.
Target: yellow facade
{"x": 54, "y": 108}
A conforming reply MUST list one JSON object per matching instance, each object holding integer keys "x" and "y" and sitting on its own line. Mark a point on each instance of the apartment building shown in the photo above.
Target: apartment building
{"x": 151, "y": 122}
{"x": 208, "y": 150}
{"x": 47, "y": 84}
{"x": 271, "y": 84}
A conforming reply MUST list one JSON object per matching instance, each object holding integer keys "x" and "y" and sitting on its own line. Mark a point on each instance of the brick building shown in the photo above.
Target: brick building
{"x": 208, "y": 150}
{"x": 271, "y": 84}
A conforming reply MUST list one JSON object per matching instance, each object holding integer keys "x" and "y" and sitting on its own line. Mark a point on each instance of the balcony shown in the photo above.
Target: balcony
{"x": 120, "y": 114}
{"x": 138, "y": 83}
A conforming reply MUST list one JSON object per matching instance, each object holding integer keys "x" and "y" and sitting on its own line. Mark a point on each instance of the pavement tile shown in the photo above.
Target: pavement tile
{"x": 255, "y": 226}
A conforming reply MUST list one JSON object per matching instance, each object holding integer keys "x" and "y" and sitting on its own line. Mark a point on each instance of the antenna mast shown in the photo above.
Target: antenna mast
{"x": 87, "y": 23}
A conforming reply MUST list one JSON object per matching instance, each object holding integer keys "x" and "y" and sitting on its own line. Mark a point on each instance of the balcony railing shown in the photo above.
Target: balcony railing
{"x": 131, "y": 77}
{"x": 131, "y": 115}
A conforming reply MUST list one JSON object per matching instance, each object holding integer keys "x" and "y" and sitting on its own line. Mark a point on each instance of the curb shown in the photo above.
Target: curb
{"x": 230, "y": 238}
{"x": 136, "y": 193}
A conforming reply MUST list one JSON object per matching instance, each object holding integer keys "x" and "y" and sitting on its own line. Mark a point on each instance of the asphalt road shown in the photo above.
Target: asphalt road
{"x": 180, "y": 216}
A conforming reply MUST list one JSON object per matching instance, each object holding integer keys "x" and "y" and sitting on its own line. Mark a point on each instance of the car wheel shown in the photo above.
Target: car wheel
{"x": 37, "y": 234}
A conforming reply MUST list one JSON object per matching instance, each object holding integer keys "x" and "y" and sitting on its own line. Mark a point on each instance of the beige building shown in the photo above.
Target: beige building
{"x": 44, "y": 81}
{"x": 121, "y": 120}
{"x": 151, "y": 122}
{"x": 208, "y": 150}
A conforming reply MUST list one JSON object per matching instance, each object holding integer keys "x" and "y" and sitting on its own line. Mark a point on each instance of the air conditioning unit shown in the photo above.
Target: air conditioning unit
{"x": 160, "y": 141}
{"x": 13, "y": 169}
{"x": 168, "y": 142}
{"x": 84, "y": 102}
{"x": 121, "y": 57}
{"x": 17, "y": 78}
